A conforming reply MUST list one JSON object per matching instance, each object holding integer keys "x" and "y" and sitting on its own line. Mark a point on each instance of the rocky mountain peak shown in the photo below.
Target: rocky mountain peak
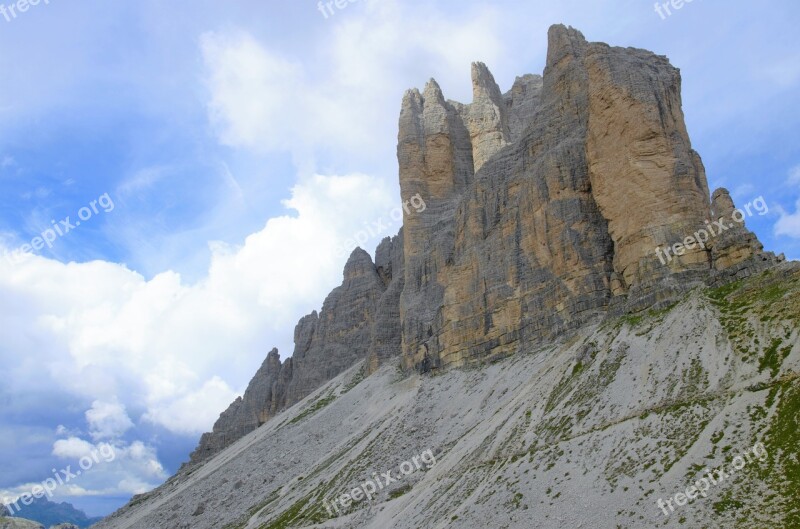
{"x": 546, "y": 207}
{"x": 432, "y": 94}
{"x": 484, "y": 87}
{"x": 358, "y": 265}
{"x": 564, "y": 41}
{"x": 722, "y": 204}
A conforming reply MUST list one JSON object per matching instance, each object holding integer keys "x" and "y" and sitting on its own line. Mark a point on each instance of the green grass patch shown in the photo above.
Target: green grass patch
{"x": 313, "y": 408}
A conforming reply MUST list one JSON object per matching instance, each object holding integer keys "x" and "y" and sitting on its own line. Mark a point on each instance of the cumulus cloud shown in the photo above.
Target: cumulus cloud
{"x": 193, "y": 411}
{"x": 789, "y": 223}
{"x": 118, "y": 468}
{"x": 180, "y": 352}
{"x": 165, "y": 351}
{"x": 265, "y": 99}
{"x": 104, "y": 468}
{"x": 108, "y": 420}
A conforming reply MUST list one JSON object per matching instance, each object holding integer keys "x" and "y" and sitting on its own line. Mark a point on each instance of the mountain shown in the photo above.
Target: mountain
{"x": 325, "y": 345}
{"x": 569, "y": 330}
{"x": 18, "y": 523}
{"x": 49, "y": 513}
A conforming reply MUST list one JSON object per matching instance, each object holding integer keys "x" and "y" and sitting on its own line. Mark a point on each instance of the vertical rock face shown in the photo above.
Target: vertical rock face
{"x": 736, "y": 252}
{"x": 435, "y": 155}
{"x": 544, "y": 207}
{"x": 386, "y": 336}
{"x": 261, "y": 401}
{"x": 647, "y": 180}
{"x": 487, "y": 117}
{"x": 530, "y": 254}
{"x": 521, "y": 103}
{"x": 442, "y": 146}
{"x": 578, "y": 177}
{"x": 325, "y": 345}
{"x": 342, "y": 334}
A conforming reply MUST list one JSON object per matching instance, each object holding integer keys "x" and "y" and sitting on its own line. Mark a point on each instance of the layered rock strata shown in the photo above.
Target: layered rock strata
{"x": 325, "y": 345}
{"x": 557, "y": 221}
{"x": 544, "y": 209}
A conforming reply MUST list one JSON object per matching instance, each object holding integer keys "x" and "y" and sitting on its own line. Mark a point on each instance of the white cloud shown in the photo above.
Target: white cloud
{"x": 179, "y": 352}
{"x": 108, "y": 420}
{"x": 253, "y": 92}
{"x": 266, "y": 100}
{"x": 194, "y": 411}
{"x": 117, "y": 468}
{"x": 96, "y": 469}
{"x": 789, "y": 223}
{"x": 72, "y": 448}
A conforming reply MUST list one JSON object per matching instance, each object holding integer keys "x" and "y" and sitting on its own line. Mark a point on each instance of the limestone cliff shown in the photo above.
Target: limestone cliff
{"x": 573, "y": 184}
{"x": 325, "y": 345}
{"x": 591, "y": 430}
{"x": 544, "y": 209}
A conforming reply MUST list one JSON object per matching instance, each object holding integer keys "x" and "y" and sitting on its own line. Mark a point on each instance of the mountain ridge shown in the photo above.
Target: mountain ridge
{"x": 573, "y": 326}
{"x": 532, "y": 226}
{"x": 591, "y": 429}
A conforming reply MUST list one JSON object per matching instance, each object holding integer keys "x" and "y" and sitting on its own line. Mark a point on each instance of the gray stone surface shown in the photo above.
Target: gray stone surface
{"x": 342, "y": 334}
{"x": 325, "y": 345}
{"x": 19, "y": 523}
{"x": 264, "y": 397}
{"x": 522, "y": 102}
{"x": 386, "y": 333}
{"x": 577, "y": 177}
{"x": 587, "y": 431}
{"x": 736, "y": 252}
{"x": 544, "y": 207}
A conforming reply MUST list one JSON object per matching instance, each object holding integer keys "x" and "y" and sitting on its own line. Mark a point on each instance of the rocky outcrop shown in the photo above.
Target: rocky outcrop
{"x": 546, "y": 208}
{"x": 264, "y": 397}
{"x": 342, "y": 334}
{"x": 486, "y": 118}
{"x": 325, "y": 345}
{"x": 19, "y": 523}
{"x": 386, "y": 336}
{"x": 736, "y": 252}
{"x": 576, "y": 180}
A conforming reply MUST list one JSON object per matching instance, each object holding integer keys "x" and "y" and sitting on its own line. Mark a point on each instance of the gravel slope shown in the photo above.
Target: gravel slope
{"x": 587, "y": 432}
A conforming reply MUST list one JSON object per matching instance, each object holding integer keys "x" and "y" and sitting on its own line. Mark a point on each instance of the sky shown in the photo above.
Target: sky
{"x": 204, "y": 167}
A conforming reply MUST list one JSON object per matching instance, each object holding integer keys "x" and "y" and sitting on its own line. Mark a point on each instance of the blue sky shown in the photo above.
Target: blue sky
{"x": 241, "y": 143}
